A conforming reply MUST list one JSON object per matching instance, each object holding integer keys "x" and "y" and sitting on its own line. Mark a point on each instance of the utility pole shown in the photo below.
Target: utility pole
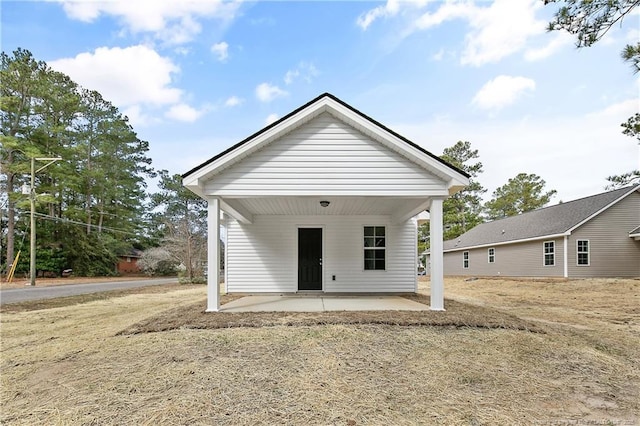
{"x": 32, "y": 198}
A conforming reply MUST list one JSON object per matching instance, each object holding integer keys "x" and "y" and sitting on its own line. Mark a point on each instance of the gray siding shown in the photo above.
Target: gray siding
{"x": 516, "y": 260}
{"x": 324, "y": 156}
{"x": 612, "y": 252}
{"x": 262, "y": 257}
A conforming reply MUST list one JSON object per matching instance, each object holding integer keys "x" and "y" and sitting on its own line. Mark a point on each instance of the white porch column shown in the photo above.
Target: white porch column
{"x": 437, "y": 263}
{"x": 213, "y": 255}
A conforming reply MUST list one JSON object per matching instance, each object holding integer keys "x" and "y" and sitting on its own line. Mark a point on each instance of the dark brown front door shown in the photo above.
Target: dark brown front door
{"x": 309, "y": 258}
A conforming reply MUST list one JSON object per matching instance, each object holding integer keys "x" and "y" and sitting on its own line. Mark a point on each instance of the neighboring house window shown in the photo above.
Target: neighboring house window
{"x": 549, "y": 253}
{"x": 465, "y": 259}
{"x": 492, "y": 255}
{"x": 374, "y": 248}
{"x": 583, "y": 252}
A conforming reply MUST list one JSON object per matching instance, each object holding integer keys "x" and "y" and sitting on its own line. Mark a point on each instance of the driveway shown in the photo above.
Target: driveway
{"x": 14, "y": 295}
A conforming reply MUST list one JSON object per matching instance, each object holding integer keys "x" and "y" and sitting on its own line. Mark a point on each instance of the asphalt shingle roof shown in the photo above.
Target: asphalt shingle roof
{"x": 552, "y": 220}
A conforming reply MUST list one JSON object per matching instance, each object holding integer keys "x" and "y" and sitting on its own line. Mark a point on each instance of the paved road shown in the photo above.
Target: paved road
{"x": 13, "y": 295}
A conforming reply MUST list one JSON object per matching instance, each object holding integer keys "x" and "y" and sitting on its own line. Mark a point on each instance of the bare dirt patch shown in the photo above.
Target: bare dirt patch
{"x": 457, "y": 315}
{"x": 69, "y": 365}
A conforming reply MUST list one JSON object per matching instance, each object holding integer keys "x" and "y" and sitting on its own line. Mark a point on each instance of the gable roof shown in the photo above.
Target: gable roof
{"x": 455, "y": 177}
{"x": 546, "y": 222}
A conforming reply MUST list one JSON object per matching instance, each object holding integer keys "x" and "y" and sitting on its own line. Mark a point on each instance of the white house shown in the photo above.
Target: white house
{"x": 323, "y": 200}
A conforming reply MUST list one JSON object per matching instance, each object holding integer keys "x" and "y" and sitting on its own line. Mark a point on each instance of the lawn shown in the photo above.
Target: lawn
{"x": 505, "y": 352}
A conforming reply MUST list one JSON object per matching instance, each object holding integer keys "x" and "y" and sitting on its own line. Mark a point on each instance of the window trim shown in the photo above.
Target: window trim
{"x": 374, "y": 248}
{"x": 552, "y": 253}
{"x": 578, "y": 253}
{"x": 491, "y": 257}
{"x": 465, "y": 260}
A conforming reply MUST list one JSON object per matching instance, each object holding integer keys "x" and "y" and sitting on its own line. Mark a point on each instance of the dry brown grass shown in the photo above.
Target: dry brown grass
{"x": 68, "y": 365}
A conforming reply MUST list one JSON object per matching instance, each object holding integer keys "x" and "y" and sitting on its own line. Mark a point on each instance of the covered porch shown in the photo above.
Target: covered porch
{"x": 266, "y": 215}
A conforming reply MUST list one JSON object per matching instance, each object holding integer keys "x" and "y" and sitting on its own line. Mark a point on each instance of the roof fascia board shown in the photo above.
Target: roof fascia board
{"x": 503, "y": 243}
{"x": 608, "y": 206}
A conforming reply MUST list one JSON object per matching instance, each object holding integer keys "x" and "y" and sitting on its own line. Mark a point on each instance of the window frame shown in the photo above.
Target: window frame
{"x": 552, "y": 253}
{"x": 374, "y": 248}
{"x": 587, "y": 252}
{"x": 465, "y": 260}
{"x": 491, "y": 255}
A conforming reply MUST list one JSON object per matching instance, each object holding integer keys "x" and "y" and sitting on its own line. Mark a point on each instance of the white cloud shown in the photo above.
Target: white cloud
{"x": 501, "y": 30}
{"x": 560, "y": 40}
{"x": 447, "y": 11}
{"x": 221, "y": 50}
{"x": 124, "y": 76}
{"x": 367, "y": 18}
{"x": 136, "y": 116}
{"x": 291, "y": 75}
{"x": 233, "y": 101}
{"x": 271, "y": 118}
{"x": 305, "y": 70}
{"x": 184, "y": 112}
{"x": 174, "y": 22}
{"x": 266, "y": 92}
{"x": 496, "y": 30}
{"x": 502, "y": 91}
{"x": 438, "y": 55}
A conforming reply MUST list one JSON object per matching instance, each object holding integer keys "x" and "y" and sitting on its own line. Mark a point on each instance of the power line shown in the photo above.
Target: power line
{"x": 75, "y": 222}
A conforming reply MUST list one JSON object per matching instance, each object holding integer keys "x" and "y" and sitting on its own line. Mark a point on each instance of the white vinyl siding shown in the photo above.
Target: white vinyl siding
{"x": 324, "y": 156}
{"x": 262, "y": 257}
{"x": 549, "y": 253}
{"x": 582, "y": 252}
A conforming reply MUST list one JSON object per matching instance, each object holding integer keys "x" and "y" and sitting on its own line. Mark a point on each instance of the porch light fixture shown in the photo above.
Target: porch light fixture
{"x": 325, "y": 203}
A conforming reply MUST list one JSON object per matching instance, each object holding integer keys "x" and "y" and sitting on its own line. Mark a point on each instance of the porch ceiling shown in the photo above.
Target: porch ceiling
{"x": 338, "y": 205}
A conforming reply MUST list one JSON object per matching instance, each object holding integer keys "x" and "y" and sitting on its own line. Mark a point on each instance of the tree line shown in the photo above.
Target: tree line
{"x": 93, "y": 205}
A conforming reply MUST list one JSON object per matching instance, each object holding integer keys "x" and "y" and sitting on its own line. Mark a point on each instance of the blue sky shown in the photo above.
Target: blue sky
{"x": 196, "y": 77}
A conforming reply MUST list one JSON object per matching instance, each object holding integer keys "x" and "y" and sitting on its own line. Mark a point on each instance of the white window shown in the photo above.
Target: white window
{"x": 465, "y": 259}
{"x": 583, "y": 252}
{"x": 492, "y": 255}
{"x": 549, "y": 253}
{"x": 374, "y": 248}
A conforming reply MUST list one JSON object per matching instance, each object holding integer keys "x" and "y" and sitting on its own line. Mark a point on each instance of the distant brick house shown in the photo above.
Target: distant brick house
{"x": 596, "y": 236}
{"x": 128, "y": 263}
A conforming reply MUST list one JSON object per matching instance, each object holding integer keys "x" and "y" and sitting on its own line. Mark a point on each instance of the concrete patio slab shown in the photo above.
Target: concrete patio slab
{"x": 322, "y": 303}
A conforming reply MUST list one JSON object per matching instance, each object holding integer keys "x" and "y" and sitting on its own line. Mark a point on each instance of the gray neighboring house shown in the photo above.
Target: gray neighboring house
{"x": 596, "y": 236}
